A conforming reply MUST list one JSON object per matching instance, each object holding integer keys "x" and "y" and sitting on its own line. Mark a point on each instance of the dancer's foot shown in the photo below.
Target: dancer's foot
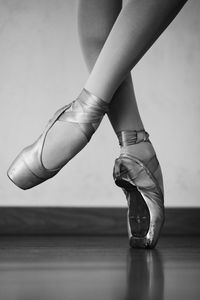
{"x": 140, "y": 178}
{"x": 64, "y": 141}
{"x": 65, "y": 135}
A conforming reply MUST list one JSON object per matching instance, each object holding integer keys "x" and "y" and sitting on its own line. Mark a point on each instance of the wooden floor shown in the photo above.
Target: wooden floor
{"x": 73, "y": 268}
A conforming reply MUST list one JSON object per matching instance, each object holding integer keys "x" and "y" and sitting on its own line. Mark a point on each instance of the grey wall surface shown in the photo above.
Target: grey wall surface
{"x": 42, "y": 68}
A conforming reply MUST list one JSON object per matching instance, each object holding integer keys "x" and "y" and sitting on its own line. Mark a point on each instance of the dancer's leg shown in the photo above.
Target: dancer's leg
{"x": 138, "y": 25}
{"x": 123, "y": 110}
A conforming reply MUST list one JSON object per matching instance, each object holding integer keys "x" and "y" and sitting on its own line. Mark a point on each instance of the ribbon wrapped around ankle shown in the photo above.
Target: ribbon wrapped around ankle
{"x": 131, "y": 137}
{"x": 87, "y": 111}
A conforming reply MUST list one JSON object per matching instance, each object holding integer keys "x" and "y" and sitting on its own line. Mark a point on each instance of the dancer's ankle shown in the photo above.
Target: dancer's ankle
{"x": 73, "y": 129}
{"x": 136, "y": 143}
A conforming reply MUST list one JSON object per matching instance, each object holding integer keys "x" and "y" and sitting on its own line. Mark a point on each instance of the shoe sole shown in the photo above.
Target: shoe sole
{"x": 138, "y": 215}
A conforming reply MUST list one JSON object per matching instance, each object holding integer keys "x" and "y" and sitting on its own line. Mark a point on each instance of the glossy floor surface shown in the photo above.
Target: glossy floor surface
{"x": 58, "y": 268}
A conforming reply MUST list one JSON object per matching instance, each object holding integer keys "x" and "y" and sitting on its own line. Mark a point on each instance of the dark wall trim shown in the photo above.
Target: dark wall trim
{"x": 88, "y": 221}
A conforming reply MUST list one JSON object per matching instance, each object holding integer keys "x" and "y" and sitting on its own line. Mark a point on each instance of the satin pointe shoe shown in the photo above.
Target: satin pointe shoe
{"x": 86, "y": 112}
{"x": 142, "y": 184}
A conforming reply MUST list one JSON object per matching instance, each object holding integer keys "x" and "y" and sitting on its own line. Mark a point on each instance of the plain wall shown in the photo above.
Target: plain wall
{"x": 42, "y": 69}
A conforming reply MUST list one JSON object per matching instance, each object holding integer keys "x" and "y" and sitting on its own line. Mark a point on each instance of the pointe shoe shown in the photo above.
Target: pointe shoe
{"x": 142, "y": 184}
{"x": 28, "y": 170}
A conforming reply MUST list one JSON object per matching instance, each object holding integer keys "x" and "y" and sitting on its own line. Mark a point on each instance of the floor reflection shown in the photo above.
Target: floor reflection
{"x": 98, "y": 268}
{"x": 145, "y": 278}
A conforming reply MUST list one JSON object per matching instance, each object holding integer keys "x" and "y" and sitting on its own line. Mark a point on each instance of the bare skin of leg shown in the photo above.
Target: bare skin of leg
{"x": 136, "y": 28}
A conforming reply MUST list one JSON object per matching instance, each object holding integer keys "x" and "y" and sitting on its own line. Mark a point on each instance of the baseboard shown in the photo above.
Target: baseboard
{"x": 88, "y": 221}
